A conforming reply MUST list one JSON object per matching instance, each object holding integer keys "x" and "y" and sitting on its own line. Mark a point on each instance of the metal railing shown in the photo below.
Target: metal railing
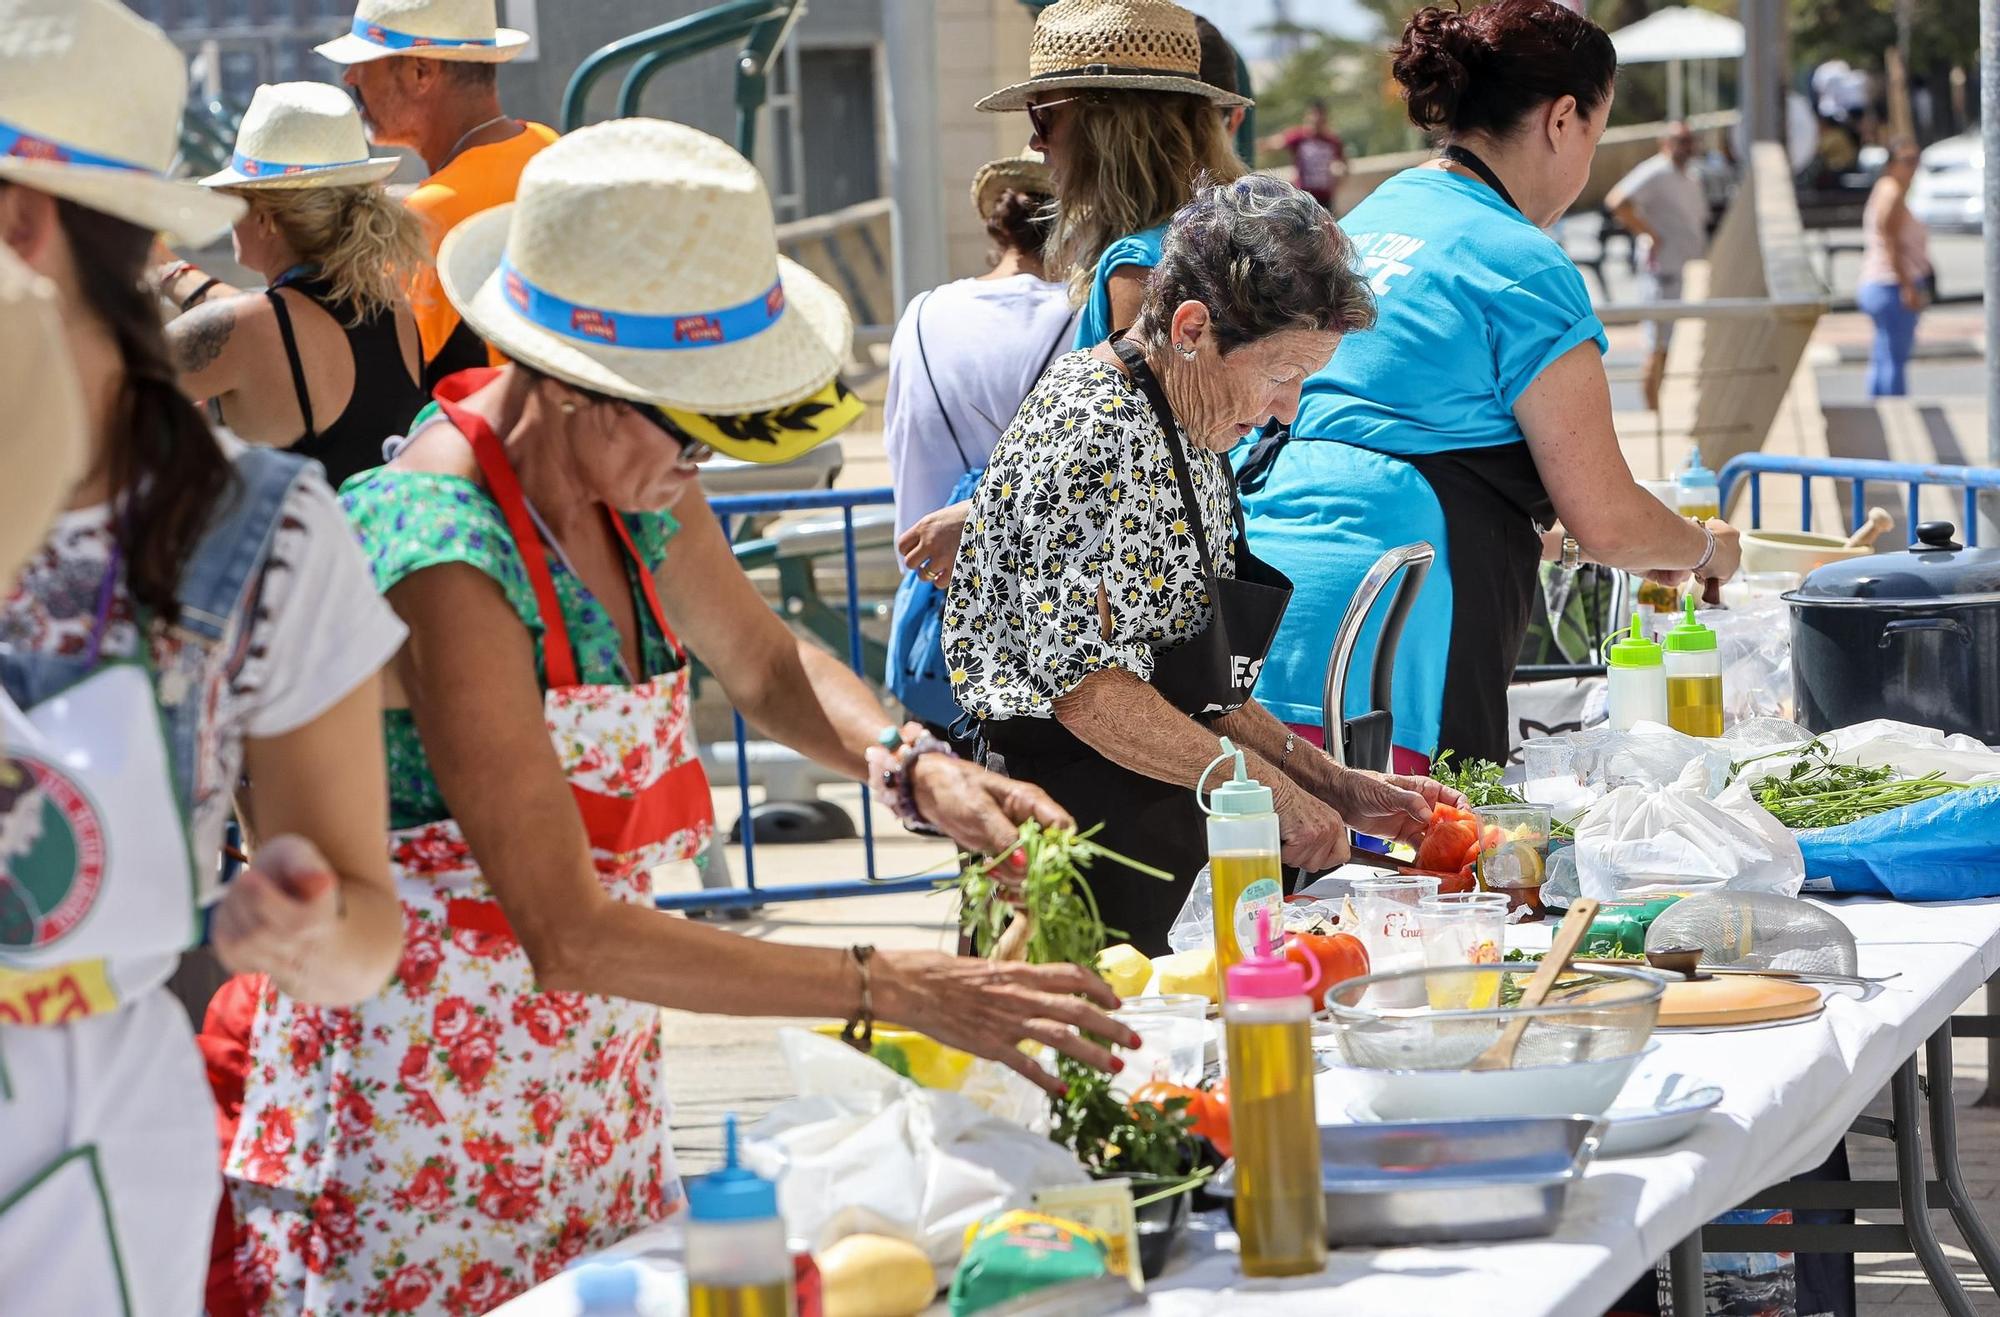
{"x": 762, "y": 26}
{"x": 1861, "y": 472}
{"x": 750, "y": 894}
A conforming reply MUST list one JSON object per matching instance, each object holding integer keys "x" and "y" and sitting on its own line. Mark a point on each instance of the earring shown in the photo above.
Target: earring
{"x": 1185, "y": 351}
{"x": 568, "y": 407}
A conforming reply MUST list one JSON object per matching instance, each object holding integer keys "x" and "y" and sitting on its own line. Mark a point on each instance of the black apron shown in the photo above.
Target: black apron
{"x": 1205, "y": 676}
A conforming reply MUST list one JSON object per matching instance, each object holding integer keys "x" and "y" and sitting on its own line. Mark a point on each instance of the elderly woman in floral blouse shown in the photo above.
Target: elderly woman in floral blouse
{"x": 1106, "y": 618}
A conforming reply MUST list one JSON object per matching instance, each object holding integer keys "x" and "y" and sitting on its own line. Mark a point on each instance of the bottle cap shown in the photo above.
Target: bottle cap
{"x": 1241, "y": 794}
{"x": 734, "y": 1193}
{"x": 1635, "y": 650}
{"x": 1265, "y": 974}
{"x": 1694, "y": 473}
{"x": 1690, "y": 636}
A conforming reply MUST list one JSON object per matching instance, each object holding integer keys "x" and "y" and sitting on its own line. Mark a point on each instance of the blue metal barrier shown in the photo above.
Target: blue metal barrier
{"x": 728, "y": 507}
{"x": 1861, "y": 471}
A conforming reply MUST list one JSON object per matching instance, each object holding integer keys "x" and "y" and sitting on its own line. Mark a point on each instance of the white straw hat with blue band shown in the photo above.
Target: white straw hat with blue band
{"x": 464, "y": 30}
{"x": 640, "y": 259}
{"x": 90, "y": 111}
{"x": 300, "y": 135}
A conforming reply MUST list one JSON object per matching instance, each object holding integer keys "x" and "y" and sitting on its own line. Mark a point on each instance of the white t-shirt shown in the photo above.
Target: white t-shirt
{"x": 316, "y": 629}
{"x": 986, "y": 341}
{"x": 1675, "y": 203}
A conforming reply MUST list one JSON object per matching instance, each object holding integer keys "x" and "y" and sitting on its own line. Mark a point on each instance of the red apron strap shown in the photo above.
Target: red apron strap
{"x": 646, "y": 583}
{"x": 557, "y": 656}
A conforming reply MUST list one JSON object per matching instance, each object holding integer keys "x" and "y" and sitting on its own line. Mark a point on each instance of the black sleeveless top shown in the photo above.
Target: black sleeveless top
{"x": 386, "y": 398}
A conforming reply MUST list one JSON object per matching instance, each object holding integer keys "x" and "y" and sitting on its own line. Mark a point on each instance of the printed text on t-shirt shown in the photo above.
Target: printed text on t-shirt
{"x": 1383, "y": 256}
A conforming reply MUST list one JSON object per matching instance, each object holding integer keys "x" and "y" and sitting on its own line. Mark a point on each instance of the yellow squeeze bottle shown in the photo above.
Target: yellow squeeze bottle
{"x": 1266, "y": 1024}
{"x": 1694, "y": 678}
{"x": 1242, "y": 857}
{"x": 739, "y": 1263}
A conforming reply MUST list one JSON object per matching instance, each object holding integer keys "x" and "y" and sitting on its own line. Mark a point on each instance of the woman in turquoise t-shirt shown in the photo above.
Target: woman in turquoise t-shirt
{"x": 1477, "y": 414}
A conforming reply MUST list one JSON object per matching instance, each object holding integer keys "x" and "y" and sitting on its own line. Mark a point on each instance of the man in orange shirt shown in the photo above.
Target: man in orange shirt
{"x": 425, "y": 75}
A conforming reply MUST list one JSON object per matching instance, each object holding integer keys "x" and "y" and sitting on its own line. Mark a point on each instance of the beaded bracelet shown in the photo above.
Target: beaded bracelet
{"x": 898, "y": 781}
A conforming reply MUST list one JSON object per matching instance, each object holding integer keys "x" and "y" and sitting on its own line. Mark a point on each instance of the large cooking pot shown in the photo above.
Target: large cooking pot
{"x": 1913, "y": 636}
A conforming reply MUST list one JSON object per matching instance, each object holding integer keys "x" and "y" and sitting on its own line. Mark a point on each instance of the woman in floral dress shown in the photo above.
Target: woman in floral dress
{"x": 499, "y": 1111}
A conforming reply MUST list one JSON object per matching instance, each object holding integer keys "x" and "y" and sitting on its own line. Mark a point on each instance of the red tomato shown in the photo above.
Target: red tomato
{"x": 1338, "y": 957}
{"x": 1444, "y": 845}
{"x": 1462, "y": 881}
{"x": 1159, "y": 1092}
{"x": 1217, "y": 1118}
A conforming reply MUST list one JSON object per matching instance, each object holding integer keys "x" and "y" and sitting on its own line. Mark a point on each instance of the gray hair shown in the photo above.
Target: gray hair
{"x": 1263, "y": 257}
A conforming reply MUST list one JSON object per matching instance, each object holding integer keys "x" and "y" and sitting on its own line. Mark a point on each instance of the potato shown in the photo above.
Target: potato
{"x": 875, "y": 1276}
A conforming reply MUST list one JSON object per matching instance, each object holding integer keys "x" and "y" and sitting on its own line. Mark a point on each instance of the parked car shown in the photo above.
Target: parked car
{"x": 1946, "y": 194}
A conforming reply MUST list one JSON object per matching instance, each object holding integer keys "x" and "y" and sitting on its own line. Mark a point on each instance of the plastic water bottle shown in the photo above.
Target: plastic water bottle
{"x": 1242, "y": 857}
{"x": 1267, "y": 1028}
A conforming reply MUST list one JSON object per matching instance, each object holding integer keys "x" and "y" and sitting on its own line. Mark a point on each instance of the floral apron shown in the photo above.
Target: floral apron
{"x": 463, "y": 1136}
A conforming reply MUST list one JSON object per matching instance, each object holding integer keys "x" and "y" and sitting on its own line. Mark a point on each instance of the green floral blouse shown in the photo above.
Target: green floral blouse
{"x": 409, "y": 520}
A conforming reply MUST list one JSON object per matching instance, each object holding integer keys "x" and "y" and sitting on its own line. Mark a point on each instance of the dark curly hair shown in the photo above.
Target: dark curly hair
{"x": 1263, "y": 257}
{"x": 1020, "y": 221}
{"x": 1483, "y": 70}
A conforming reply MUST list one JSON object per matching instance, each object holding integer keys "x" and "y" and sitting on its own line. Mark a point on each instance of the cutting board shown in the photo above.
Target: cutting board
{"x": 1729, "y": 999}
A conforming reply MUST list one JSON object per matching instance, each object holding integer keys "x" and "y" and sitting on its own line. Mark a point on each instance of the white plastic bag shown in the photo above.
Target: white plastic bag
{"x": 862, "y": 1147}
{"x": 1194, "y": 926}
{"x": 1754, "y": 645}
{"x": 1639, "y": 839}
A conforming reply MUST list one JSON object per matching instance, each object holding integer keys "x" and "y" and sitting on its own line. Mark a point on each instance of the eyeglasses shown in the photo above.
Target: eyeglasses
{"x": 1039, "y": 118}
{"x": 692, "y": 449}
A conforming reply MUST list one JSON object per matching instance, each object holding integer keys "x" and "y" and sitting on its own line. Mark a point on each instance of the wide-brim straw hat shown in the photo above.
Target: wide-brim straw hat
{"x": 301, "y": 135}
{"x": 1138, "y": 45}
{"x": 90, "y": 111}
{"x": 640, "y": 259}
{"x": 1026, "y": 172}
{"x": 466, "y": 30}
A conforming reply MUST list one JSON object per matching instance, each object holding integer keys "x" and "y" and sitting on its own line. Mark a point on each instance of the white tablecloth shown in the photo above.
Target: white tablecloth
{"x": 1790, "y": 1094}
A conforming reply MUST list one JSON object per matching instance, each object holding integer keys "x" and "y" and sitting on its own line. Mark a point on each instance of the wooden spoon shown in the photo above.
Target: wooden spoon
{"x": 1500, "y": 1056}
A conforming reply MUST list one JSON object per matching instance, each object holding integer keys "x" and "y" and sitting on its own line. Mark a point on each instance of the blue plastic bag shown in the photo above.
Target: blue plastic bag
{"x": 1946, "y": 848}
{"x": 916, "y": 670}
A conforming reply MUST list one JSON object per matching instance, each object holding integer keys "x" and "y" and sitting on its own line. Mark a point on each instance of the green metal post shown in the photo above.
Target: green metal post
{"x": 682, "y": 37}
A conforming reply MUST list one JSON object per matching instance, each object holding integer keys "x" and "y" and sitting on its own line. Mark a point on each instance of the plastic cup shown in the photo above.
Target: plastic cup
{"x": 1173, "y": 1034}
{"x": 1514, "y": 852}
{"x": 1463, "y": 928}
{"x": 1392, "y": 929}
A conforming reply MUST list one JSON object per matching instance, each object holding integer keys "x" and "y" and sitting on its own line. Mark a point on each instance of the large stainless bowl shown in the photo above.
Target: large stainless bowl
{"x": 1405, "y": 1063}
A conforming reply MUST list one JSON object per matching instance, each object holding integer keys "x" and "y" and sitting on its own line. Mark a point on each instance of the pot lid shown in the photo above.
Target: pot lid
{"x": 1937, "y": 566}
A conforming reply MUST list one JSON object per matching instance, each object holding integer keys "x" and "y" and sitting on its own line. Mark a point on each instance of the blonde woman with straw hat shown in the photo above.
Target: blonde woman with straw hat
{"x": 196, "y": 614}
{"x": 325, "y": 360}
{"x": 499, "y": 1111}
{"x": 1116, "y": 104}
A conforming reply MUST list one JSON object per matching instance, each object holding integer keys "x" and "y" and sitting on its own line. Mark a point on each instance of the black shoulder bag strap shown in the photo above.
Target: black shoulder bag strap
{"x": 284, "y": 315}
{"x": 1149, "y": 384}
{"x": 917, "y": 324}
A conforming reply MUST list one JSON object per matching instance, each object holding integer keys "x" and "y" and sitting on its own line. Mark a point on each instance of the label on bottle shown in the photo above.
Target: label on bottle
{"x": 1259, "y": 894}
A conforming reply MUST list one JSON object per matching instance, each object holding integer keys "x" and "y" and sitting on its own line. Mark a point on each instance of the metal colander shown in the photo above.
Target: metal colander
{"x": 1756, "y": 930}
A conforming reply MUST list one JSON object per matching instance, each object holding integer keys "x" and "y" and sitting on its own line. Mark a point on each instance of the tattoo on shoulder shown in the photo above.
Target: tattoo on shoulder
{"x": 199, "y": 336}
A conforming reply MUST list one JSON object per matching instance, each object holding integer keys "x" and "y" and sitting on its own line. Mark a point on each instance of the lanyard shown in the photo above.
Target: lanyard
{"x": 1459, "y": 155}
{"x": 107, "y": 589}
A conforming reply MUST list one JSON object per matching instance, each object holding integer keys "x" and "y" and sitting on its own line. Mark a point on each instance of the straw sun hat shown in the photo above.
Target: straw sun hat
{"x": 435, "y": 29}
{"x": 1141, "y": 45}
{"x": 639, "y": 259}
{"x": 90, "y": 111}
{"x": 1025, "y": 172}
{"x": 300, "y": 135}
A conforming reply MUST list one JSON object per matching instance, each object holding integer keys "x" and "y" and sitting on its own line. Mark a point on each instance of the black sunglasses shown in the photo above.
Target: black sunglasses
{"x": 1041, "y": 121}
{"x": 692, "y": 449}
